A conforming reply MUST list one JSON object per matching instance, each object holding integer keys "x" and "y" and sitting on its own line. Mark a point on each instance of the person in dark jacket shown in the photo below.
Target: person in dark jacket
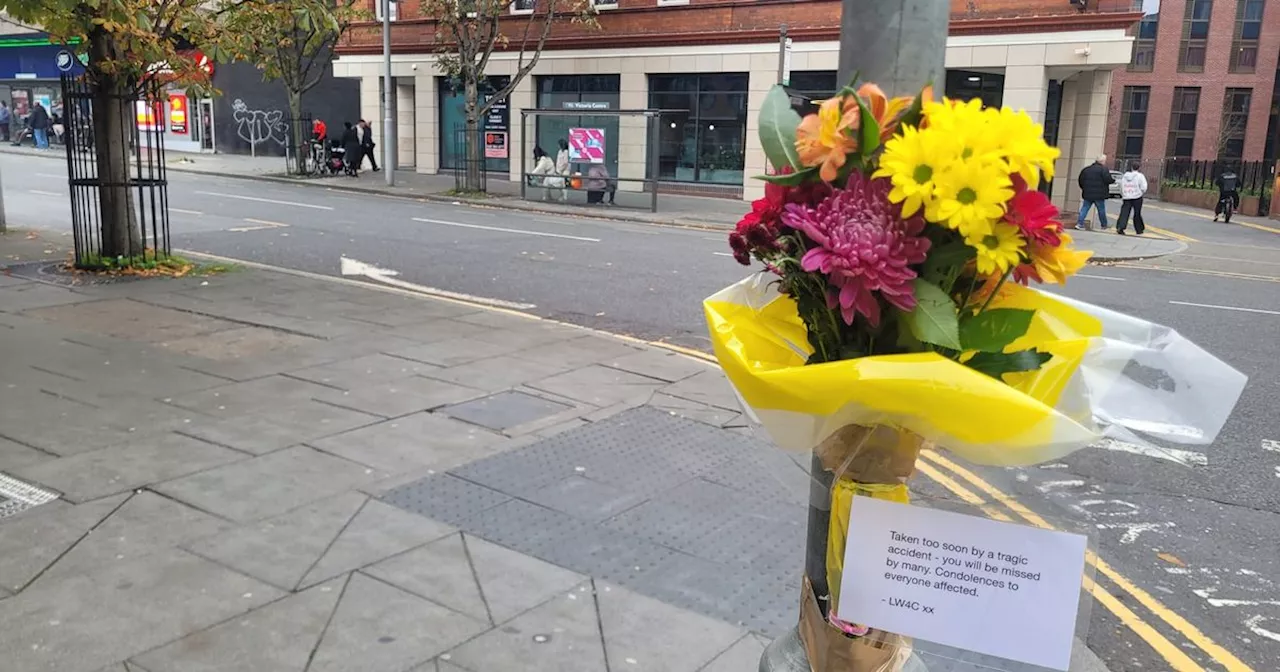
{"x": 39, "y": 123}
{"x": 351, "y": 147}
{"x": 367, "y": 144}
{"x": 1228, "y": 188}
{"x": 1095, "y": 186}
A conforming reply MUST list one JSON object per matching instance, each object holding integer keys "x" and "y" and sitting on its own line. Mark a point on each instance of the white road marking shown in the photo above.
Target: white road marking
{"x": 266, "y": 200}
{"x": 505, "y": 230}
{"x": 44, "y": 193}
{"x": 261, "y": 225}
{"x": 722, "y": 254}
{"x": 387, "y": 276}
{"x": 1253, "y": 624}
{"x": 1132, "y": 530}
{"x": 1085, "y": 507}
{"x": 185, "y": 212}
{"x": 1235, "y": 308}
{"x": 1184, "y": 457}
{"x": 1099, "y": 277}
{"x": 1271, "y": 445}
{"x": 1051, "y": 485}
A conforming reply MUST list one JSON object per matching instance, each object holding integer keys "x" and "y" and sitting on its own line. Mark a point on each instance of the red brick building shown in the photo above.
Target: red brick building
{"x": 1201, "y": 83}
{"x": 713, "y": 60}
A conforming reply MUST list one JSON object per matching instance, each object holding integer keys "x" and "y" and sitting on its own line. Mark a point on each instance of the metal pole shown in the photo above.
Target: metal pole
{"x": 901, "y": 46}
{"x": 783, "y": 45}
{"x": 388, "y": 91}
{"x": 2, "y": 217}
{"x": 655, "y": 128}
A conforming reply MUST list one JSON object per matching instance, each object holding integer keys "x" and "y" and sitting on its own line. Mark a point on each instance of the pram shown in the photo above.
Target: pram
{"x": 337, "y": 158}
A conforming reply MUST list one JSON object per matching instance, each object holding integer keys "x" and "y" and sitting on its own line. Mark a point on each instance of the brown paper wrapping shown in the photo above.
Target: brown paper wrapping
{"x": 830, "y": 650}
{"x": 878, "y": 454}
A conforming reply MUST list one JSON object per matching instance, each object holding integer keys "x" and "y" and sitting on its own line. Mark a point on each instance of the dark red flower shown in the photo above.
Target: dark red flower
{"x": 1033, "y": 214}
{"x": 1025, "y": 273}
{"x": 741, "y": 251}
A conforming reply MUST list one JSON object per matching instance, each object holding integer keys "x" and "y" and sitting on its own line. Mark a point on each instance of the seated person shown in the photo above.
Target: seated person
{"x": 599, "y": 183}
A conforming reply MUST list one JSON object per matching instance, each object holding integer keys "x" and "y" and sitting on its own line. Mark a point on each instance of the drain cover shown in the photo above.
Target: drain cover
{"x": 18, "y": 496}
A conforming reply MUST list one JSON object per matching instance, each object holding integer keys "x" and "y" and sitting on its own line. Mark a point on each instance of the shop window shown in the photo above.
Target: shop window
{"x": 814, "y": 84}
{"x": 1133, "y": 122}
{"x": 453, "y": 122}
{"x": 968, "y": 84}
{"x": 1195, "y": 35}
{"x": 1182, "y": 122}
{"x": 1235, "y": 122}
{"x": 704, "y": 126}
{"x": 1244, "y": 44}
{"x": 523, "y": 6}
{"x": 585, "y": 93}
{"x": 1144, "y": 44}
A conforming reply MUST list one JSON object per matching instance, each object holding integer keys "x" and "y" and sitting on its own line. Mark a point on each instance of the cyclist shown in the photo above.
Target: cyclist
{"x": 1228, "y": 183}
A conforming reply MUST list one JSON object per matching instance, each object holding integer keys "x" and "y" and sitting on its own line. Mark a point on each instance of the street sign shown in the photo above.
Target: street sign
{"x": 64, "y": 60}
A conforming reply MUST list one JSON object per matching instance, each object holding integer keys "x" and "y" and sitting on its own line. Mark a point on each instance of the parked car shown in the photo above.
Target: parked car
{"x": 1113, "y": 191}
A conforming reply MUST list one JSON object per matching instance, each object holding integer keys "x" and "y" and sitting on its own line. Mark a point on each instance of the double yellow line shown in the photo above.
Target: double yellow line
{"x": 942, "y": 470}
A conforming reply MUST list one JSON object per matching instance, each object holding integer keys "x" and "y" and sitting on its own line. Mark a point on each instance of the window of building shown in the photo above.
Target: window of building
{"x": 1195, "y": 35}
{"x": 1144, "y": 44}
{"x": 1244, "y": 45}
{"x": 1133, "y": 122}
{"x": 605, "y": 4}
{"x": 377, "y": 10}
{"x": 967, "y": 85}
{"x": 704, "y": 139}
{"x": 1182, "y": 122}
{"x": 813, "y": 84}
{"x": 523, "y": 6}
{"x": 453, "y": 122}
{"x": 579, "y": 92}
{"x": 1235, "y": 121}
{"x": 665, "y": 3}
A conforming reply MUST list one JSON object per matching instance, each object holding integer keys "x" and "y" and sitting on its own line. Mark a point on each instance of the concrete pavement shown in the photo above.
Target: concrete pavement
{"x": 267, "y": 471}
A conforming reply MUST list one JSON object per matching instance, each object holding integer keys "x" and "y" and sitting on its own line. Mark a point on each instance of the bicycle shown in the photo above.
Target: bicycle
{"x": 1226, "y": 204}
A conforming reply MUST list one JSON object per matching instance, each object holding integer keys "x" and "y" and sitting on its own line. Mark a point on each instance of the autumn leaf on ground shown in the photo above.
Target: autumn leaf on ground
{"x": 1171, "y": 559}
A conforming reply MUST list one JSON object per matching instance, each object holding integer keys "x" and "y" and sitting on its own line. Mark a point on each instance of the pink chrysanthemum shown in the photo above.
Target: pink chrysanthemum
{"x": 863, "y": 246}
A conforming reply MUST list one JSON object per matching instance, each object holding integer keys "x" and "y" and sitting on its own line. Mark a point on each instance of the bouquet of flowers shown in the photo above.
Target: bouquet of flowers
{"x": 898, "y": 239}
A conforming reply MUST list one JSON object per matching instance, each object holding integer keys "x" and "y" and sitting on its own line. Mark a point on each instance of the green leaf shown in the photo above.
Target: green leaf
{"x": 913, "y": 114}
{"x": 943, "y": 260}
{"x": 778, "y": 124}
{"x": 868, "y": 129}
{"x": 996, "y": 364}
{"x": 993, "y": 330}
{"x": 934, "y": 319}
{"x": 790, "y": 179}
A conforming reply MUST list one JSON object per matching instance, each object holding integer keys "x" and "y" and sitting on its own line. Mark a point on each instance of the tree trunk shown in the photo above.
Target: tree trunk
{"x": 472, "y": 149}
{"x": 300, "y": 133}
{"x": 112, "y": 110}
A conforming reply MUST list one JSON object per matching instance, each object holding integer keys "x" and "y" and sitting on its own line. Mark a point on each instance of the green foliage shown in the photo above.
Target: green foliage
{"x": 790, "y": 179}
{"x": 996, "y": 364}
{"x": 778, "y": 122}
{"x": 291, "y": 41}
{"x": 993, "y": 330}
{"x": 934, "y": 318}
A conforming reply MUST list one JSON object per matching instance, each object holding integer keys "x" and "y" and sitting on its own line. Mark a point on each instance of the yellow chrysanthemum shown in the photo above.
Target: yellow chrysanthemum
{"x": 998, "y": 250}
{"x": 967, "y": 123}
{"x": 1055, "y": 264}
{"x": 1023, "y": 147}
{"x": 913, "y": 161}
{"x": 969, "y": 195}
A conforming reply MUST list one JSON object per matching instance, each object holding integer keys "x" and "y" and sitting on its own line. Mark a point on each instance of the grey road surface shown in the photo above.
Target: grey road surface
{"x": 1196, "y": 530}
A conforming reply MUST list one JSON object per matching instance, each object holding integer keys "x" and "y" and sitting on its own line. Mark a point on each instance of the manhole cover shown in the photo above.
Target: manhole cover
{"x": 18, "y": 496}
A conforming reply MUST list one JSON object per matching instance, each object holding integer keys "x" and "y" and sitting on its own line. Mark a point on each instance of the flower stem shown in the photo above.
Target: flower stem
{"x": 994, "y": 292}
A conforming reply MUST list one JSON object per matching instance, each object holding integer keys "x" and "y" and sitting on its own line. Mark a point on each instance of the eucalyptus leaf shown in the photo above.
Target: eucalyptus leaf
{"x": 993, "y": 330}
{"x": 996, "y": 364}
{"x": 778, "y": 124}
{"x": 934, "y": 318}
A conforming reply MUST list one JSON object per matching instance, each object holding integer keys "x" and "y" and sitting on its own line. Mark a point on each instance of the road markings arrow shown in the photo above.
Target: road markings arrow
{"x": 388, "y": 277}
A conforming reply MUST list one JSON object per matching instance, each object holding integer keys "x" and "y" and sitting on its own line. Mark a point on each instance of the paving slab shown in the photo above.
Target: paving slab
{"x": 561, "y": 634}
{"x": 14, "y": 455}
{"x": 600, "y": 386}
{"x": 258, "y": 435}
{"x": 33, "y": 541}
{"x": 380, "y": 628}
{"x": 260, "y": 396}
{"x": 281, "y": 550}
{"x": 145, "y": 523}
{"x": 505, "y": 410}
{"x": 399, "y": 397}
{"x": 668, "y": 366}
{"x": 269, "y": 485}
{"x": 414, "y": 441}
{"x": 147, "y": 460}
{"x": 446, "y": 498}
{"x": 633, "y": 623}
{"x": 360, "y": 371}
{"x": 377, "y": 532}
{"x": 88, "y": 620}
{"x": 455, "y": 351}
{"x": 236, "y": 345}
{"x": 494, "y": 374}
{"x": 440, "y": 571}
{"x": 120, "y": 318}
{"x": 579, "y": 351}
{"x": 26, "y": 296}
{"x": 708, "y": 387}
{"x": 711, "y": 415}
{"x": 743, "y": 656}
{"x": 278, "y": 637}
{"x": 61, "y": 426}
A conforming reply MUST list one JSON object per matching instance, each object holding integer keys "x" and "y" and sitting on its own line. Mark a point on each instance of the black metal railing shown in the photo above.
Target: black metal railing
{"x": 116, "y": 173}
{"x": 470, "y": 172}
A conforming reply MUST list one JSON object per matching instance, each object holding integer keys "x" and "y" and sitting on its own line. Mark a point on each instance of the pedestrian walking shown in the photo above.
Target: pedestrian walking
{"x": 544, "y": 174}
{"x": 6, "y": 118}
{"x": 1132, "y": 188}
{"x": 1095, "y": 186}
{"x": 39, "y": 123}
{"x": 351, "y": 149}
{"x": 367, "y": 144}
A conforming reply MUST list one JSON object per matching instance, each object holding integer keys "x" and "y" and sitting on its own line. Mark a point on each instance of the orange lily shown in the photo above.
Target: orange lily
{"x": 826, "y": 138}
{"x": 1054, "y": 264}
{"x": 885, "y": 110}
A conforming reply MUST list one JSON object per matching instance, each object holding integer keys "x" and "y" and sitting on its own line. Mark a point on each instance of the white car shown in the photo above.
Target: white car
{"x": 1113, "y": 191}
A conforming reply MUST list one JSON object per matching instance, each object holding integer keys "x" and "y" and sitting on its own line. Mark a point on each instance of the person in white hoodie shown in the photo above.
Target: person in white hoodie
{"x": 1132, "y": 187}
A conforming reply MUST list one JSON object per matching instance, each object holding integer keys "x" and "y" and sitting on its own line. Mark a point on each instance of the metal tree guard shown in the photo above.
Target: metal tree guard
{"x": 141, "y": 149}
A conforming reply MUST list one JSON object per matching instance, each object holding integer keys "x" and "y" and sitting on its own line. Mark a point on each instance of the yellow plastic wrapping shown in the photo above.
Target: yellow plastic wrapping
{"x": 1099, "y": 382}
{"x": 842, "y": 493}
